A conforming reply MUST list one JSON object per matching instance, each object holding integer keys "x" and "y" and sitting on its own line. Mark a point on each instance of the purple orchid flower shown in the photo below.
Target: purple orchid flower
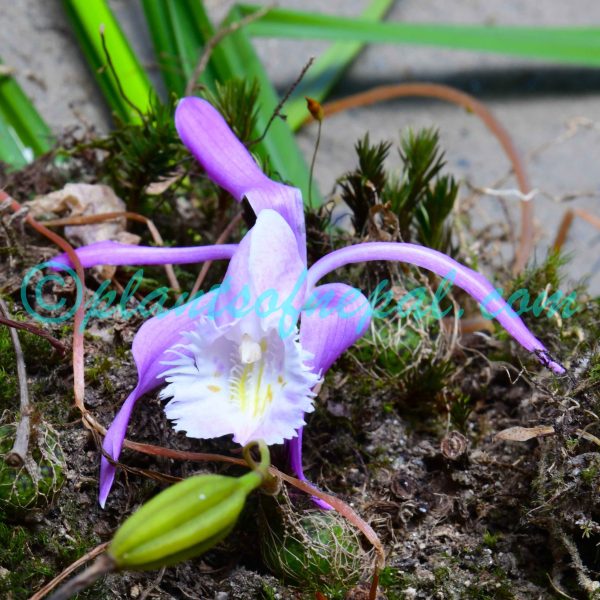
{"x": 252, "y": 372}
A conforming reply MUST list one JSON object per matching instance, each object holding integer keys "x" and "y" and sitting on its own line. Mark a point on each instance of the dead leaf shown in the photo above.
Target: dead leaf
{"x": 82, "y": 199}
{"x": 156, "y": 188}
{"x": 523, "y": 434}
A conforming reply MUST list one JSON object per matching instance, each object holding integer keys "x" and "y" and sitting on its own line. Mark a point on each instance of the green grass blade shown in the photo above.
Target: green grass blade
{"x": 23, "y": 133}
{"x": 165, "y": 48}
{"x": 87, "y": 17}
{"x": 235, "y": 57}
{"x": 579, "y": 45}
{"x": 12, "y": 150}
{"x": 177, "y": 33}
{"x": 328, "y": 69}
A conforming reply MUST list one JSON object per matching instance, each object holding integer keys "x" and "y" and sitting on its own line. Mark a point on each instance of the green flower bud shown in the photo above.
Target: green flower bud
{"x": 33, "y": 485}
{"x": 182, "y": 522}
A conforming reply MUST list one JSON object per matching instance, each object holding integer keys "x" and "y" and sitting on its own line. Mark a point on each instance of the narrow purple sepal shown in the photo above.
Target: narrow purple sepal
{"x": 115, "y": 253}
{"x": 334, "y": 316}
{"x": 472, "y": 282}
{"x": 295, "y": 455}
{"x": 155, "y": 337}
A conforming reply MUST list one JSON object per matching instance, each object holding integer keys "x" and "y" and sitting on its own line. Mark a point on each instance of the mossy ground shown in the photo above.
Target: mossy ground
{"x": 495, "y": 520}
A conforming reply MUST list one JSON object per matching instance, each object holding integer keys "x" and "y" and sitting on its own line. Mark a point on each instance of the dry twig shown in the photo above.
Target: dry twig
{"x": 18, "y": 454}
{"x": 214, "y": 42}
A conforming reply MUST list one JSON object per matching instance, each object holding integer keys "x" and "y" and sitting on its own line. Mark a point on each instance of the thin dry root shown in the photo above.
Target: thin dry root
{"x": 567, "y": 220}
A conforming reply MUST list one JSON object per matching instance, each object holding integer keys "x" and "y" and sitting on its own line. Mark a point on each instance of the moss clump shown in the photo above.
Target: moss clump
{"x": 315, "y": 550}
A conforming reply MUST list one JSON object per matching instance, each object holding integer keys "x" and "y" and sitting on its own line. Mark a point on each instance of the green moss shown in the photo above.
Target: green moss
{"x": 268, "y": 593}
{"x": 394, "y": 582}
{"x": 19, "y": 557}
{"x": 34, "y": 555}
{"x": 590, "y": 474}
{"x": 98, "y": 372}
{"x": 39, "y": 356}
{"x": 8, "y": 378}
{"x": 594, "y": 370}
{"x": 490, "y": 539}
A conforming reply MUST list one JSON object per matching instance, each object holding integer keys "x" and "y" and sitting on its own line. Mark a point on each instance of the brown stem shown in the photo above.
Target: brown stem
{"x": 78, "y": 350}
{"x": 567, "y": 221}
{"x": 72, "y": 567}
{"x": 450, "y": 94}
{"x": 220, "y": 240}
{"x": 103, "y": 565}
{"x": 336, "y": 503}
{"x": 277, "y": 111}
{"x": 59, "y": 346}
{"x": 215, "y": 40}
{"x": 111, "y": 66}
{"x": 16, "y": 457}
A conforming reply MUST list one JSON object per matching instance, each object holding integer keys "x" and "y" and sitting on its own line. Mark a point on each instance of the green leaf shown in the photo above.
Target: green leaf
{"x": 328, "y": 69}
{"x": 87, "y": 17}
{"x": 23, "y": 133}
{"x": 580, "y": 45}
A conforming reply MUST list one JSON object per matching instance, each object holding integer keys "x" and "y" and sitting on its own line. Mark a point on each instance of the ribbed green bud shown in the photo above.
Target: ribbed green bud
{"x": 182, "y": 522}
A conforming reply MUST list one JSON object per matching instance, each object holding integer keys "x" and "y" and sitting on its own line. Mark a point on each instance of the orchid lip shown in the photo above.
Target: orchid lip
{"x": 223, "y": 381}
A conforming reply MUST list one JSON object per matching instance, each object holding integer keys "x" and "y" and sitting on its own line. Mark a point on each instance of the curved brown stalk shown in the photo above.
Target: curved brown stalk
{"x": 56, "y": 344}
{"x": 337, "y": 504}
{"x": 341, "y": 507}
{"x": 41, "y": 593}
{"x": 78, "y": 350}
{"x": 450, "y": 94}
